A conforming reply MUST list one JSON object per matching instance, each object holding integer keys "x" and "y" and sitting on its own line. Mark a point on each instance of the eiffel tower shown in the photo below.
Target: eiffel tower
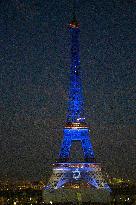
{"x": 69, "y": 175}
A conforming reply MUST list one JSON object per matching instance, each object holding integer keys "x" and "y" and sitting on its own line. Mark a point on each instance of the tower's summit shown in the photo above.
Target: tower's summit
{"x": 74, "y": 23}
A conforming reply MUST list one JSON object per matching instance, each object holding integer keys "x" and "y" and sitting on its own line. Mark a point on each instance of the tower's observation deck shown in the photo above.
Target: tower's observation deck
{"x": 76, "y": 125}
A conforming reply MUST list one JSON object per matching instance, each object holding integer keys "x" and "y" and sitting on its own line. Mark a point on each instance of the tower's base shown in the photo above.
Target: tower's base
{"x": 75, "y": 182}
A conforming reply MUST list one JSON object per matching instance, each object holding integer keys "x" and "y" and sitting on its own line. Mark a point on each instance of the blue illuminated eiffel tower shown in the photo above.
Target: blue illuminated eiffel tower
{"x": 66, "y": 174}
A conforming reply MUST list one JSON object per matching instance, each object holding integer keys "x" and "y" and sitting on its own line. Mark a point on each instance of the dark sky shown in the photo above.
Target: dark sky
{"x": 34, "y": 65}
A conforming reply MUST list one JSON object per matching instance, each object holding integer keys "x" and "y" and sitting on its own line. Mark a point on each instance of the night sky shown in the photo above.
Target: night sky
{"x": 34, "y": 69}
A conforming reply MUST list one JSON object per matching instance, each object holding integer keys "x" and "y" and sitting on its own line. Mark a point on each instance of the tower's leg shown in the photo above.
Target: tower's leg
{"x": 88, "y": 151}
{"x": 65, "y": 149}
{"x": 87, "y": 146}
